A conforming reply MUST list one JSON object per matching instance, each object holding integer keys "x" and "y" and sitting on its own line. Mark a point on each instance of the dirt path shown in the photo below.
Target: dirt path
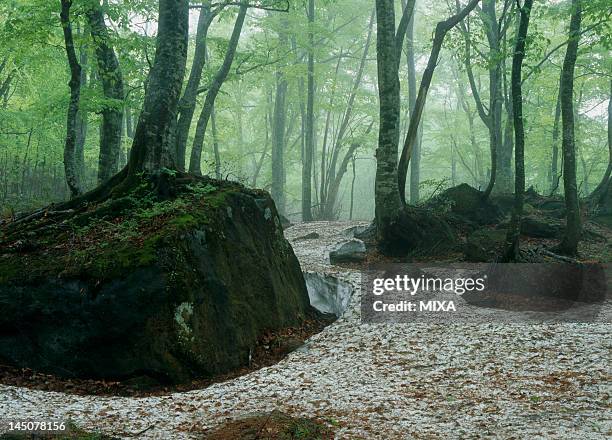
{"x": 382, "y": 381}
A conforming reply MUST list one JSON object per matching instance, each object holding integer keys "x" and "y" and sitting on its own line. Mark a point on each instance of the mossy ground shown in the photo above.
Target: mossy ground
{"x": 103, "y": 240}
{"x": 274, "y": 426}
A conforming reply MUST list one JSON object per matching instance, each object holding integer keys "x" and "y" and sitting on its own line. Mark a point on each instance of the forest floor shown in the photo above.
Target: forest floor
{"x": 391, "y": 381}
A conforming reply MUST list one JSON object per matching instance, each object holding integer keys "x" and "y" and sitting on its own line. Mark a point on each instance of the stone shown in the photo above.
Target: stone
{"x": 352, "y": 251}
{"x": 187, "y": 295}
{"x": 311, "y": 236}
{"x": 467, "y": 203}
{"x": 328, "y": 294}
{"x": 533, "y": 226}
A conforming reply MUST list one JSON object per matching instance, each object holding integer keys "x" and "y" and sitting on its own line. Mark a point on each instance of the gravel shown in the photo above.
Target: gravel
{"x": 387, "y": 381}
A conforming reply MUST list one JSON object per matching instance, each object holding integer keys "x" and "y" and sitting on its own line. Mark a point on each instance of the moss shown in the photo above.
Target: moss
{"x": 184, "y": 221}
{"x": 117, "y": 235}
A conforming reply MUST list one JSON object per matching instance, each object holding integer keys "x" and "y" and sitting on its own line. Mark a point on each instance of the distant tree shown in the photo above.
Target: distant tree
{"x": 309, "y": 143}
{"x": 512, "y": 246}
{"x": 213, "y": 91}
{"x": 569, "y": 244}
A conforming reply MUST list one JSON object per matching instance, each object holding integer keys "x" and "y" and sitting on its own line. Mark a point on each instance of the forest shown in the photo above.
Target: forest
{"x": 197, "y": 195}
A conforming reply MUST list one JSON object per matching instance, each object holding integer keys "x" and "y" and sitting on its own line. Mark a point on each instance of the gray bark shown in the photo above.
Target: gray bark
{"x": 569, "y": 244}
{"x": 512, "y": 249}
{"x": 387, "y": 195}
{"x": 70, "y": 168}
{"x": 213, "y": 91}
{"x": 279, "y": 122}
{"x": 153, "y": 148}
{"x": 110, "y": 75}
{"x": 309, "y": 143}
{"x": 442, "y": 29}
{"x": 187, "y": 103}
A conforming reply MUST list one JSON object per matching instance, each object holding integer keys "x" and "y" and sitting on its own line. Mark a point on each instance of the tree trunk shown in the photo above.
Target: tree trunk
{"x": 335, "y": 176}
{"x": 187, "y": 103}
{"x": 153, "y": 149}
{"x": 512, "y": 245}
{"x": 70, "y": 167}
{"x": 279, "y": 121}
{"x": 112, "y": 84}
{"x": 309, "y": 144}
{"x": 504, "y": 177}
{"x": 569, "y": 244}
{"x": 602, "y": 188}
{"x": 352, "y": 188}
{"x": 213, "y": 126}
{"x": 415, "y": 164}
{"x": 81, "y": 128}
{"x": 213, "y": 91}
{"x": 442, "y": 29}
{"x": 387, "y": 195}
{"x": 554, "y": 170}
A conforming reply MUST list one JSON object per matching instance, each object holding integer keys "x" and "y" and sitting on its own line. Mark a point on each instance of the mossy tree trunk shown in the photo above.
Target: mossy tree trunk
{"x": 111, "y": 77}
{"x": 70, "y": 165}
{"x": 153, "y": 148}
{"x": 387, "y": 198}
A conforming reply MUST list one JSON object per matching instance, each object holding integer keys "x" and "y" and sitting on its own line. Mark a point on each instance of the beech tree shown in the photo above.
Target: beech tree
{"x": 569, "y": 244}
{"x": 70, "y": 165}
{"x": 112, "y": 83}
{"x": 512, "y": 247}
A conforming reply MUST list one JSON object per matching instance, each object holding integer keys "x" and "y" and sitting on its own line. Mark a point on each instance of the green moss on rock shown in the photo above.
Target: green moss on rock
{"x": 171, "y": 288}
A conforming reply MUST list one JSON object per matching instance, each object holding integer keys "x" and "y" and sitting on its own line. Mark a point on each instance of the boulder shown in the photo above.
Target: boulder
{"x": 484, "y": 245}
{"x": 328, "y": 294}
{"x": 171, "y": 289}
{"x": 533, "y": 226}
{"x": 466, "y": 202}
{"x": 352, "y": 251}
{"x": 311, "y": 236}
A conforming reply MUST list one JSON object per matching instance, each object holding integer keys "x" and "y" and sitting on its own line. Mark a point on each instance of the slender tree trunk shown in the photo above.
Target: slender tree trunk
{"x": 187, "y": 104}
{"x": 335, "y": 176}
{"x": 153, "y": 149}
{"x": 602, "y": 188}
{"x": 415, "y": 160}
{"x": 415, "y": 118}
{"x": 309, "y": 144}
{"x": 259, "y": 164}
{"x": 512, "y": 249}
{"x": 82, "y": 123}
{"x": 504, "y": 178}
{"x": 213, "y": 126}
{"x": 213, "y": 91}
{"x": 554, "y": 170}
{"x": 70, "y": 167}
{"x": 112, "y": 84}
{"x": 352, "y": 188}
{"x": 569, "y": 244}
{"x": 279, "y": 121}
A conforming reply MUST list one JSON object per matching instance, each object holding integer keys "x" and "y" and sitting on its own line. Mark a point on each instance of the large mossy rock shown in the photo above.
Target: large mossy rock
{"x": 467, "y": 203}
{"x": 172, "y": 289}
